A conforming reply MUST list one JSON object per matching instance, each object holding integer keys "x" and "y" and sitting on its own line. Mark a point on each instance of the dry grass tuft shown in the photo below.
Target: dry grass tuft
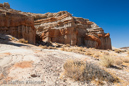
{"x": 80, "y": 71}
{"x": 119, "y": 51}
{"x": 96, "y": 56}
{"x": 74, "y": 69}
{"x": 81, "y": 49}
{"x": 89, "y": 53}
{"x": 106, "y": 61}
{"x": 118, "y": 61}
{"x": 106, "y": 53}
{"x": 98, "y": 82}
{"x": 125, "y": 59}
{"x": 23, "y": 41}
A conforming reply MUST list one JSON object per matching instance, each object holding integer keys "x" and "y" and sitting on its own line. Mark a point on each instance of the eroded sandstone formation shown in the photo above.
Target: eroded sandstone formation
{"x": 62, "y": 27}
{"x": 59, "y": 27}
{"x": 14, "y": 23}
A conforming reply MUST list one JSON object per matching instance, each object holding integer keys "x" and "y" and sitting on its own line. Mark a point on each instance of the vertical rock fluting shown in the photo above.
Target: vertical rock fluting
{"x": 62, "y": 27}
{"x": 59, "y": 27}
{"x": 16, "y": 24}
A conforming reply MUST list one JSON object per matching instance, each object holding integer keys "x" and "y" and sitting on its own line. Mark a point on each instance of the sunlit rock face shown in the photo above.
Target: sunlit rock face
{"x": 62, "y": 27}
{"x": 17, "y": 24}
{"x": 59, "y": 27}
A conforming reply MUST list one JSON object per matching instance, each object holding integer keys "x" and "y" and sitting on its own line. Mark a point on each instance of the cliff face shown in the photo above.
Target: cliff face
{"x": 62, "y": 27}
{"x": 59, "y": 27}
{"x": 14, "y": 23}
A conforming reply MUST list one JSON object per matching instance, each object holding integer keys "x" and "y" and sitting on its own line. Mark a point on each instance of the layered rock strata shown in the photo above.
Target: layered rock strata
{"x": 14, "y": 23}
{"x": 62, "y": 27}
{"x": 59, "y": 27}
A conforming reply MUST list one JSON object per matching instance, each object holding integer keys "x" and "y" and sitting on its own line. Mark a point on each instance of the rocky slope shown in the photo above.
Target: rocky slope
{"x": 59, "y": 27}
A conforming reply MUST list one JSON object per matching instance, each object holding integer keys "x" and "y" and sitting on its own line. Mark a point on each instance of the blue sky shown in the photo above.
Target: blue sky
{"x": 111, "y": 15}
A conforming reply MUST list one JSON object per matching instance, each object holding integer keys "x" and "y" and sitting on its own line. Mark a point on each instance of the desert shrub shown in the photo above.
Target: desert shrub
{"x": 93, "y": 71}
{"x": 125, "y": 59}
{"x": 80, "y": 70}
{"x": 119, "y": 51}
{"x": 118, "y": 61}
{"x": 89, "y": 53}
{"x": 105, "y": 53}
{"x": 74, "y": 69}
{"x": 107, "y": 61}
{"x": 23, "y": 41}
{"x": 98, "y": 82}
{"x": 96, "y": 56}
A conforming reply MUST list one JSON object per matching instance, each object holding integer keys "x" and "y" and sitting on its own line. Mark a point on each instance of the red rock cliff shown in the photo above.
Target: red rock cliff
{"x": 62, "y": 27}
{"x": 59, "y": 27}
{"x": 14, "y": 23}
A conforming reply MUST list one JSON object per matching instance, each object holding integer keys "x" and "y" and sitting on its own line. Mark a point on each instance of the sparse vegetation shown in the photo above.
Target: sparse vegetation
{"x": 88, "y": 53}
{"x": 74, "y": 69}
{"x": 106, "y": 53}
{"x": 125, "y": 59}
{"x": 107, "y": 61}
{"x": 119, "y": 51}
{"x": 118, "y": 61}
{"x": 96, "y": 56}
{"x": 23, "y": 41}
{"x": 80, "y": 71}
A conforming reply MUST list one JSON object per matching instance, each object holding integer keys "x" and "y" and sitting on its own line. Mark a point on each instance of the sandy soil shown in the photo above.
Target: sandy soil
{"x": 29, "y": 65}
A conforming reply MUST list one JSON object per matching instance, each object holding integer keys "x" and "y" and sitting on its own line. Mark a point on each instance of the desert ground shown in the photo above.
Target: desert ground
{"x": 29, "y": 65}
